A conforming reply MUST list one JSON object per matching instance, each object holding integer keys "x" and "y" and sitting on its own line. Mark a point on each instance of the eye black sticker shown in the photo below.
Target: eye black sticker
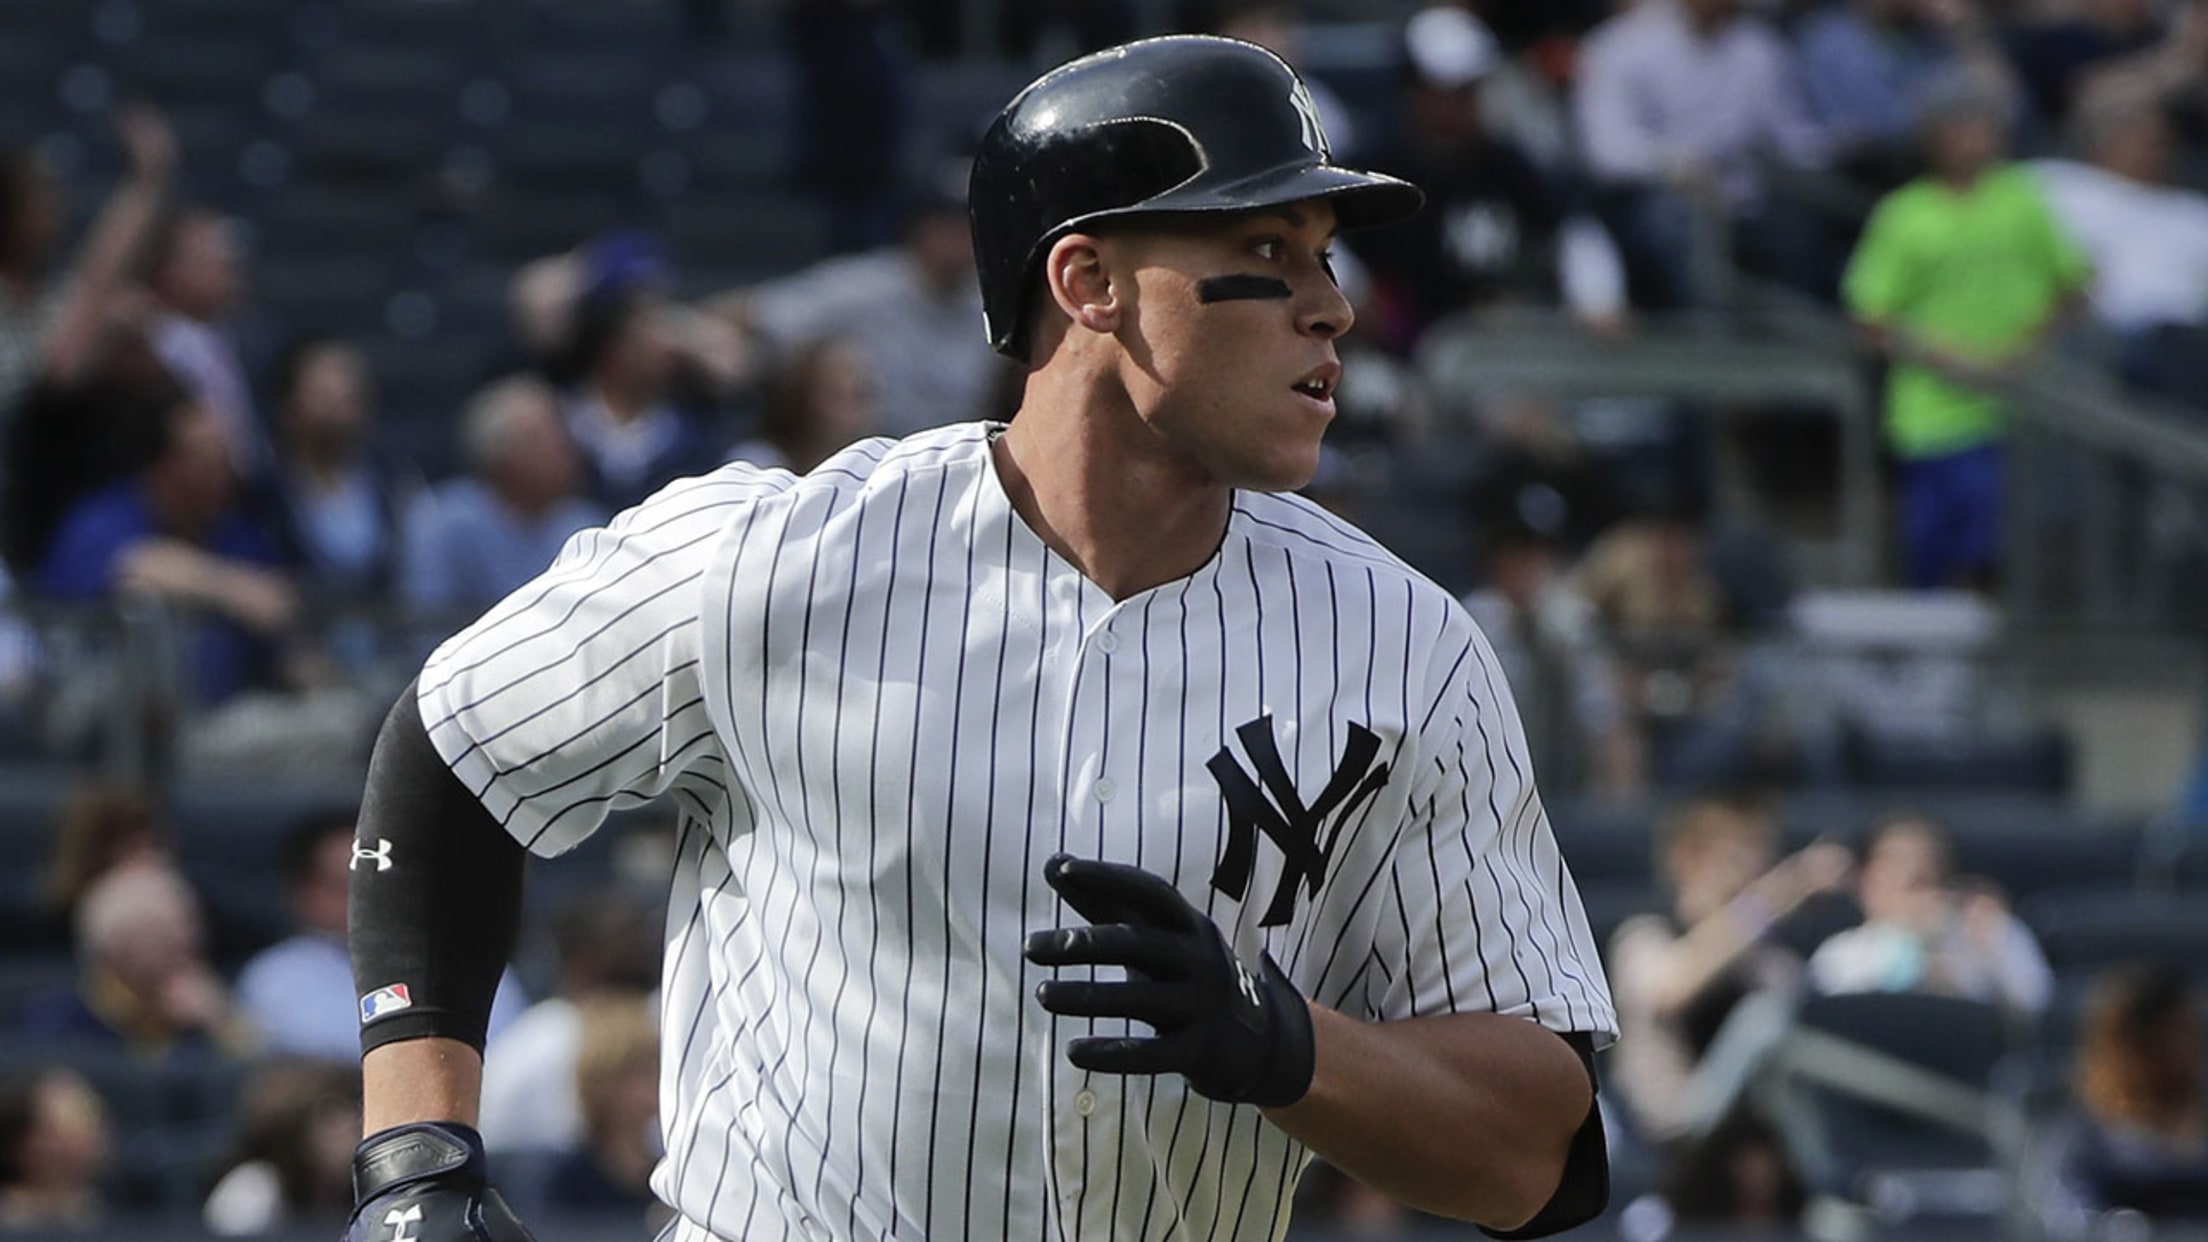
{"x": 1241, "y": 288}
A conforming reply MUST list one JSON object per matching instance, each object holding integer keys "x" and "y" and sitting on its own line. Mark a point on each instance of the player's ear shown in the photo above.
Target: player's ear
{"x": 1078, "y": 277}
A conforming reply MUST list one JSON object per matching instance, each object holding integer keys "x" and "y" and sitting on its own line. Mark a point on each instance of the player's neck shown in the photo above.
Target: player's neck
{"x": 1127, "y": 523}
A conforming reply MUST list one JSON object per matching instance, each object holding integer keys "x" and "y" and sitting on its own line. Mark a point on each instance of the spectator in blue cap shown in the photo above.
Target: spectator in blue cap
{"x": 619, "y": 407}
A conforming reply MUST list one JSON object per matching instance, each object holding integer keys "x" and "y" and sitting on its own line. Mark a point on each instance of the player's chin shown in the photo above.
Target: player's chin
{"x": 1291, "y": 466}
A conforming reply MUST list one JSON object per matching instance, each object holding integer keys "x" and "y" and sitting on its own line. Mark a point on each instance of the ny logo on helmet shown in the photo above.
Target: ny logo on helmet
{"x": 1307, "y": 113}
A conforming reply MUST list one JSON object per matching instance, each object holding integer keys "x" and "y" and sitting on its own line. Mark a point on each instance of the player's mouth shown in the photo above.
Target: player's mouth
{"x": 1319, "y": 385}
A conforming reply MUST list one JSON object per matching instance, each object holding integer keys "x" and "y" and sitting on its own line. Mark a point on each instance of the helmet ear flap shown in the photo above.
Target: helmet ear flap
{"x": 1057, "y": 184}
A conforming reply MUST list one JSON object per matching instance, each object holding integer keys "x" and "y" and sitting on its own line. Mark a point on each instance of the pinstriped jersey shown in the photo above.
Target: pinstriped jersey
{"x": 881, "y": 701}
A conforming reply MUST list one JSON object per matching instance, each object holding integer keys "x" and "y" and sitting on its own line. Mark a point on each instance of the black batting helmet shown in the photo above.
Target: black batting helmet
{"x": 1182, "y": 124}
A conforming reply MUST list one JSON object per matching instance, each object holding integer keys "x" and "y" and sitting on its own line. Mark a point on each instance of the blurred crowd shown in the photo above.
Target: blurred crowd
{"x": 116, "y": 1096}
{"x": 1974, "y": 184}
{"x": 166, "y": 445}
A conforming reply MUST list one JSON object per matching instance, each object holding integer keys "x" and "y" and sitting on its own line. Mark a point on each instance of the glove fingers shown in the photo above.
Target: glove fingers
{"x": 1140, "y": 949}
{"x": 1110, "y": 892}
{"x": 1164, "y": 1006}
{"x": 1127, "y": 1055}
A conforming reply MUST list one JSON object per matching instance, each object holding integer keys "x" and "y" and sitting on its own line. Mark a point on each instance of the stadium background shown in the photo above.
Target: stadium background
{"x": 429, "y": 181}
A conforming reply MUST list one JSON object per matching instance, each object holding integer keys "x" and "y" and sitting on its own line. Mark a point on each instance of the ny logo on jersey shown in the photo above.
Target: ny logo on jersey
{"x": 1293, "y": 826}
{"x": 1307, "y": 113}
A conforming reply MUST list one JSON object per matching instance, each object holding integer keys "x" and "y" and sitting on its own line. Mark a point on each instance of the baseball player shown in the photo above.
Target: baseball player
{"x": 1079, "y": 833}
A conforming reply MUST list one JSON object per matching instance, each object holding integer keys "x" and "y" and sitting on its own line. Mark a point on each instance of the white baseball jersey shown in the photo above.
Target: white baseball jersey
{"x": 882, "y": 702}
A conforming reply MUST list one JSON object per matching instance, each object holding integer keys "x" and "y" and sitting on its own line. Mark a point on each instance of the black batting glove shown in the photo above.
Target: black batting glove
{"x": 425, "y": 1183}
{"x": 1239, "y": 1036}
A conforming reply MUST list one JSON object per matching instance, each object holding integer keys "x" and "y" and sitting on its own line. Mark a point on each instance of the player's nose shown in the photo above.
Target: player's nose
{"x": 1323, "y": 310}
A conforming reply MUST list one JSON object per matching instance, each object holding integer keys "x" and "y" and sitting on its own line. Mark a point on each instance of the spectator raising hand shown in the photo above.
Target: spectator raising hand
{"x": 1682, "y": 976}
{"x": 50, "y": 327}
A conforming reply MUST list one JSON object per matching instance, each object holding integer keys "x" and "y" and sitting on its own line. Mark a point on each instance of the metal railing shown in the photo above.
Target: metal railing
{"x": 104, "y": 690}
{"x": 2109, "y": 489}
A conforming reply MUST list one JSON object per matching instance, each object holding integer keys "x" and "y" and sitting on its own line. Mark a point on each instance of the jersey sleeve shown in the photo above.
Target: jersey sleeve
{"x": 579, "y": 694}
{"x": 1481, "y": 911}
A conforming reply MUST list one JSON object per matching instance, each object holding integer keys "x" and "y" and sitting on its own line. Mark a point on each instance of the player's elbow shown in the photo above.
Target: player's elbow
{"x": 1500, "y": 1197}
{"x": 1518, "y": 1193}
{"x": 1550, "y": 1169}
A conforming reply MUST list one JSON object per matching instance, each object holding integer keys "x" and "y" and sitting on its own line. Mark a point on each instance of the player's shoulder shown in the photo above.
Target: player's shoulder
{"x": 880, "y": 466}
{"x": 1298, "y": 527}
{"x": 863, "y": 466}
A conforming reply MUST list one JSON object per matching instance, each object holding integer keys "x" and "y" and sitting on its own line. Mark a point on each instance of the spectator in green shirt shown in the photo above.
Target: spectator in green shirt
{"x": 1959, "y": 278}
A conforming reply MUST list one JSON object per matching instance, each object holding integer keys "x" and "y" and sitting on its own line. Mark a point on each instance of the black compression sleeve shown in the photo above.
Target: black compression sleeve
{"x": 436, "y": 894}
{"x": 1584, "y": 1190}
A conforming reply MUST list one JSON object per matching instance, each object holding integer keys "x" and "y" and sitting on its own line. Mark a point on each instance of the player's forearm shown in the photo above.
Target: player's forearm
{"x": 420, "y": 1080}
{"x": 1465, "y": 1115}
{"x": 435, "y": 902}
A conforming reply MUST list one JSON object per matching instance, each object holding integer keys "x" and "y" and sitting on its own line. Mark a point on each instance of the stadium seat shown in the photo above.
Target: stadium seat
{"x": 958, "y": 99}
{"x": 30, "y": 54}
{"x": 425, "y": 381}
{"x": 517, "y": 226}
{"x": 2033, "y": 762}
{"x": 30, "y": 797}
{"x": 596, "y": 86}
{"x": 313, "y": 220}
{"x": 325, "y": 293}
{"x": 377, "y": 152}
{"x": 2094, "y": 930}
{"x": 600, "y": 158}
{"x": 1606, "y": 842}
{"x": 182, "y": 67}
{"x": 592, "y": 27}
{"x": 758, "y": 234}
{"x": 1889, "y": 1098}
{"x": 2180, "y": 865}
{"x": 26, "y": 977}
{"x": 2027, "y": 862}
{"x": 752, "y": 87}
{"x": 412, "y": 24}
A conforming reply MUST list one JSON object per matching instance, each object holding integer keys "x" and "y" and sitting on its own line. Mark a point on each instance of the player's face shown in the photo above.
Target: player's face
{"x": 1229, "y": 343}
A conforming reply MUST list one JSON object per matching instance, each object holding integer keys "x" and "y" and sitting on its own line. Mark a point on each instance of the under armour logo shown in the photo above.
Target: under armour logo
{"x": 1247, "y": 982}
{"x": 1293, "y": 826}
{"x": 1307, "y": 113}
{"x": 400, "y": 1219}
{"x": 381, "y": 855}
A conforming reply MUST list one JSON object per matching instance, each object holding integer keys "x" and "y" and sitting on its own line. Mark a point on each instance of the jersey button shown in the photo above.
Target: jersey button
{"x": 1107, "y": 642}
{"x": 1104, "y": 789}
{"x": 1084, "y": 1102}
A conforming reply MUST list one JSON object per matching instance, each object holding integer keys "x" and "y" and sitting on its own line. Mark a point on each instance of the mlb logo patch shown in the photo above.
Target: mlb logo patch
{"x": 384, "y": 1002}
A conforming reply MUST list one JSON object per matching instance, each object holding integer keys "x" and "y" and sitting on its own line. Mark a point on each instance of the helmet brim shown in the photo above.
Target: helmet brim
{"x": 1361, "y": 200}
